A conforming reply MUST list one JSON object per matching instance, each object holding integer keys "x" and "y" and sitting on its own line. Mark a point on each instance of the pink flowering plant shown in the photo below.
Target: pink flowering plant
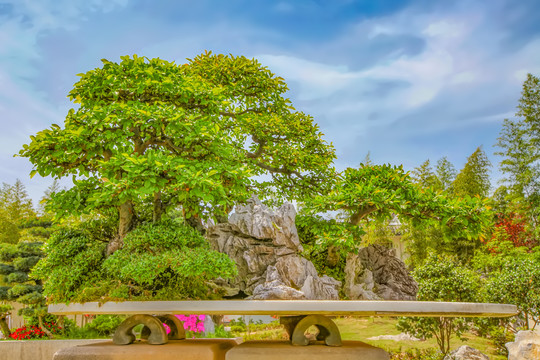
{"x": 192, "y": 323}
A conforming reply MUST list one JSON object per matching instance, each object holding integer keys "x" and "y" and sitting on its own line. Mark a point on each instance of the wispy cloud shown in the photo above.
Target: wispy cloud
{"x": 405, "y": 79}
{"x": 24, "y": 109}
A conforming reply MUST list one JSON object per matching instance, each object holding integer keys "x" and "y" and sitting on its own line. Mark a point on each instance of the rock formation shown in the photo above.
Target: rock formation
{"x": 265, "y": 246}
{"x": 526, "y": 346}
{"x": 399, "y": 337}
{"x": 375, "y": 273}
{"x": 465, "y": 352}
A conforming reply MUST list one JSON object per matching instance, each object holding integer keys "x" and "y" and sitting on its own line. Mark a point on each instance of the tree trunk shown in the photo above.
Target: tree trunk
{"x": 217, "y": 319}
{"x": 196, "y": 223}
{"x": 360, "y": 214}
{"x": 45, "y": 330}
{"x": 333, "y": 257}
{"x": 222, "y": 214}
{"x": 5, "y": 328}
{"x": 125, "y": 223}
{"x": 61, "y": 323}
{"x": 158, "y": 208}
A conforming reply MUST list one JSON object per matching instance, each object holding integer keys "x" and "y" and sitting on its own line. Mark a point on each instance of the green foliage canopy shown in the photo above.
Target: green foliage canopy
{"x": 380, "y": 191}
{"x": 473, "y": 179}
{"x": 164, "y": 261}
{"x": 442, "y": 279}
{"x": 194, "y": 134}
{"x": 519, "y": 144}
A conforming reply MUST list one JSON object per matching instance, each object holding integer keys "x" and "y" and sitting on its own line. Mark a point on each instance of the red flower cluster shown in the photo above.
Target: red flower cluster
{"x": 52, "y": 327}
{"x": 27, "y": 333}
{"x": 511, "y": 227}
{"x": 34, "y": 332}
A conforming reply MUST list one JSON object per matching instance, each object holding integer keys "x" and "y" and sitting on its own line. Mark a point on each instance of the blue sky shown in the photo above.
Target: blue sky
{"x": 405, "y": 80}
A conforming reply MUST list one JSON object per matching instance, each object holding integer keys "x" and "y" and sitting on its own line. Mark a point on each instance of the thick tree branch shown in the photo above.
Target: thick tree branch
{"x": 362, "y": 213}
{"x": 284, "y": 171}
{"x": 260, "y": 149}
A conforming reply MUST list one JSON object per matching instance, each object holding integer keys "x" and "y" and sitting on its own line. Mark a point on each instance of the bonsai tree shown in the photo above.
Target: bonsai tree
{"x": 378, "y": 192}
{"x": 16, "y": 262}
{"x": 164, "y": 261}
{"x": 199, "y": 135}
{"x": 5, "y": 311}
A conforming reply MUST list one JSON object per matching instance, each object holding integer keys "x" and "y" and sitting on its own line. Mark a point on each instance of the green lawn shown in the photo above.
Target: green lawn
{"x": 361, "y": 329}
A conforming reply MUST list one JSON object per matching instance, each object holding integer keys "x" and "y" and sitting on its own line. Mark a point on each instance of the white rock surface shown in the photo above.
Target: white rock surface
{"x": 399, "y": 337}
{"x": 258, "y": 221}
{"x": 265, "y": 246}
{"x": 375, "y": 273}
{"x": 465, "y": 352}
{"x": 526, "y": 346}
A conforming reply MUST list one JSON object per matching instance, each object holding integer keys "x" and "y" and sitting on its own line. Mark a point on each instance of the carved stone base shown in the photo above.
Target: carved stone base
{"x": 153, "y": 331}
{"x": 176, "y": 327}
{"x": 296, "y": 327}
{"x": 283, "y": 350}
{"x": 196, "y": 349}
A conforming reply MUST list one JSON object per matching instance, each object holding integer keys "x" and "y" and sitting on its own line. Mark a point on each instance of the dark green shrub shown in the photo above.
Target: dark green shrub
{"x": 105, "y": 325}
{"x": 442, "y": 279}
{"x": 168, "y": 261}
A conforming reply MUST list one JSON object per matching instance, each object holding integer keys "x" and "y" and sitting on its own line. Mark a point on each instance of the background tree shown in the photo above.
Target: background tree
{"x": 517, "y": 281}
{"x": 473, "y": 179}
{"x": 367, "y": 160}
{"x": 519, "y": 144}
{"x": 47, "y": 198}
{"x": 378, "y": 193}
{"x": 198, "y": 135}
{"x": 512, "y": 276}
{"x": 442, "y": 279}
{"x": 15, "y": 203}
{"x": 446, "y": 173}
{"x": 15, "y": 209}
{"x": 425, "y": 177}
{"x": 16, "y": 264}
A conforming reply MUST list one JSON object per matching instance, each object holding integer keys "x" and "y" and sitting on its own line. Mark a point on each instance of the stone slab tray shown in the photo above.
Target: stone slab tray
{"x": 291, "y": 307}
{"x": 284, "y": 350}
{"x": 199, "y": 349}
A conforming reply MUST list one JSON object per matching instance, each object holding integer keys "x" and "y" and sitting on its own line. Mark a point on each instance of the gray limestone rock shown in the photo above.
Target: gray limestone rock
{"x": 399, "y": 337}
{"x": 258, "y": 221}
{"x": 526, "y": 346}
{"x": 265, "y": 246}
{"x": 465, "y": 352}
{"x": 375, "y": 273}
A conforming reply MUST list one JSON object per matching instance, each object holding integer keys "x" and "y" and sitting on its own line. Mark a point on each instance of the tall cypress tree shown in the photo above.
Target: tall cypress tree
{"x": 424, "y": 176}
{"x": 519, "y": 144}
{"x": 21, "y": 238}
{"x": 446, "y": 173}
{"x": 473, "y": 179}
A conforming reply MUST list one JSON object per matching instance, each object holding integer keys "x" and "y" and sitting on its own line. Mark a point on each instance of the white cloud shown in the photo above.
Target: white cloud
{"x": 316, "y": 80}
{"x": 23, "y": 109}
{"x": 285, "y": 7}
{"x": 460, "y": 80}
{"x": 444, "y": 29}
{"x": 389, "y": 84}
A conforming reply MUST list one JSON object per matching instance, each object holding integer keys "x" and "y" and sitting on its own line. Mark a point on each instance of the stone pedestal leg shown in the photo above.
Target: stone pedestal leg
{"x": 124, "y": 333}
{"x": 176, "y": 327}
{"x": 296, "y": 326}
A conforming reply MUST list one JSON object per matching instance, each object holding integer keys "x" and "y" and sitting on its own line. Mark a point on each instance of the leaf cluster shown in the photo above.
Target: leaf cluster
{"x": 160, "y": 261}
{"x": 442, "y": 279}
{"x": 197, "y": 133}
{"x": 379, "y": 192}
